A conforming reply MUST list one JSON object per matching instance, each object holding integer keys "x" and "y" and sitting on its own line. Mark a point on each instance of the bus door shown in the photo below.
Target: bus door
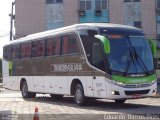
{"x": 98, "y": 78}
{"x": 6, "y": 80}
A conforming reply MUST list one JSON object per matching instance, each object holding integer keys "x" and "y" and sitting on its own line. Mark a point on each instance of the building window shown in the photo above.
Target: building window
{"x": 100, "y": 4}
{"x": 25, "y": 50}
{"x": 52, "y": 46}
{"x": 69, "y": 44}
{"x": 158, "y": 3}
{"x": 138, "y": 24}
{"x": 132, "y": 0}
{"x": 88, "y": 5}
{"x": 85, "y": 5}
{"x": 136, "y": 0}
{"x": 104, "y": 4}
{"x": 54, "y": 1}
{"x": 127, "y": 0}
{"x": 49, "y": 1}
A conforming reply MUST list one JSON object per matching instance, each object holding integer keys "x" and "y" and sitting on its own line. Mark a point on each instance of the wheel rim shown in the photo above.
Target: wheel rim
{"x": 78, "y": 95}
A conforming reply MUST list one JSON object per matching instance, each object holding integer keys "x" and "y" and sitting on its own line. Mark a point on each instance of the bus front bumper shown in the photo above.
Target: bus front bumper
{"x": 116, "y": 92}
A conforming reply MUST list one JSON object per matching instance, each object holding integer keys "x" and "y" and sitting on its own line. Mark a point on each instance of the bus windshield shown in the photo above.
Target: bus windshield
{"x": 130, "y": 55}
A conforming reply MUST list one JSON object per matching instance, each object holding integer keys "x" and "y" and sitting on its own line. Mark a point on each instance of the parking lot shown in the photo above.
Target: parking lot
{"x": 50, "y": 109}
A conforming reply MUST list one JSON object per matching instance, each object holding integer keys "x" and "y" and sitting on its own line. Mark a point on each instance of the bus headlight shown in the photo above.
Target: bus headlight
{"x": 151, "y": 83}
{"x": 116, "y": 83}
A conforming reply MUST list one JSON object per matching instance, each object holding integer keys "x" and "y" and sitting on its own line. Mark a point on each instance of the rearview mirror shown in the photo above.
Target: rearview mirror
{"x": 157, "y": 63}
{"x": 153, "y": 46}
{"x": 105, "y": 43}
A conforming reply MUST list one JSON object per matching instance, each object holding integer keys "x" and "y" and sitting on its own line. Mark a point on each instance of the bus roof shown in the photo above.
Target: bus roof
{"x": 73, "y": 28}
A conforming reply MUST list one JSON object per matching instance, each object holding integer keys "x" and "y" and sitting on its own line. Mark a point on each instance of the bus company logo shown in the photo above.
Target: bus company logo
{"x": 65, "y": 67}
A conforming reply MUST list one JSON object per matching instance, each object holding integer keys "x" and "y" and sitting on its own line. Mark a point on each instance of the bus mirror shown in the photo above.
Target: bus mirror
{"x": 105, "y": 43}
{"x": 153, "y": 47}
{"x": 157, "y": 63}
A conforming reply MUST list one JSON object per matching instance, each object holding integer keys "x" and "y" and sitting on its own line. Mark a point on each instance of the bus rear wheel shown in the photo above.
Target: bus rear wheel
{"x": 119, "y": 101}
{"x": 25, "y": 92}
{"x": 79, "y": 96}
{"x": 56, "y": 97}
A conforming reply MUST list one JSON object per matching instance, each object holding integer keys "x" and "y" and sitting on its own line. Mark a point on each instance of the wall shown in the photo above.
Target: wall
{"x": 29, "y": 17}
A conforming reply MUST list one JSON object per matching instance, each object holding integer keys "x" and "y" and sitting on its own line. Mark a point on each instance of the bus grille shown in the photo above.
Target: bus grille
{"x": 137, "y": 92}
{"x": 137, "y": 85}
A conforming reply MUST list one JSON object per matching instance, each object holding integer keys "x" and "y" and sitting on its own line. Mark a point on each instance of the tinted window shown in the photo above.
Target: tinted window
{"x": 15, "y": 51}
{"x": 7, "y": 53}
{"x": 69, "y": 44}
{"x": 87, "y": 37}
{"x": 38, "y": 48}
{"x": 97, "y": 57}
{"x": 25, "y": 50}
{"x": 52, "y": 46}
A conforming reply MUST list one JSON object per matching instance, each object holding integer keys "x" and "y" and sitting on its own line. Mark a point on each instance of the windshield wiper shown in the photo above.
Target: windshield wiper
{"x": 138, "y": 58}
{"x": 132, "y": 57}
{"x": 129, "y": 60}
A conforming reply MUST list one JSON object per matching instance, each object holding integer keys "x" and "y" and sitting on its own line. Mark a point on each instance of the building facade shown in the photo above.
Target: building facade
{"x": 158, "y": 18}
{"x": 138, "y": 13}
{"x": 40, "y": 15}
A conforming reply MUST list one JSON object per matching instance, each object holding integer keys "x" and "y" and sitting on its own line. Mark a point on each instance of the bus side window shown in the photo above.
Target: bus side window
{"x": 87, "y": 37}
{"x": 69, "y": 44}
{"x": 7, "y": 53}
{"x": 40, "y": 48}
{"x": 52, "y": 46}
{"x": 15, "y": 51}
{"x": 97, "y": 57}
{"x": 25, "y": 50}
{"x": 34, "y": 49}
{"x": 87, "y": 46}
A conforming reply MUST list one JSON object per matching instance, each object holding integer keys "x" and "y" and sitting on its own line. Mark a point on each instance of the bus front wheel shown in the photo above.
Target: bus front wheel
{"x": 25, "y": 92}
{"x": 79, "y": 96}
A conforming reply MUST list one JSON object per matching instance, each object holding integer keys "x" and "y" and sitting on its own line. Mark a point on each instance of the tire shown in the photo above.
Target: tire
{"x": 25, "y": 92}
{"x": 56, "y": 97}
{"x": 79, "y": 96}
{"x": 119, "y": 101}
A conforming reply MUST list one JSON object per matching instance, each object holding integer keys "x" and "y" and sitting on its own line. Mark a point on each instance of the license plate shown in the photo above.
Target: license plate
{"x": 136, "y": 96}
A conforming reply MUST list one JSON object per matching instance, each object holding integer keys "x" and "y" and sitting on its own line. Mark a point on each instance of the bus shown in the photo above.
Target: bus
{"x": 90, "y": 60}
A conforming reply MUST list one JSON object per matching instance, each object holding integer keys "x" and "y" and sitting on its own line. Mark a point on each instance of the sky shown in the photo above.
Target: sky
{"x": 5, "y": 10}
